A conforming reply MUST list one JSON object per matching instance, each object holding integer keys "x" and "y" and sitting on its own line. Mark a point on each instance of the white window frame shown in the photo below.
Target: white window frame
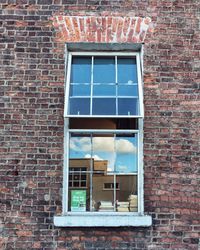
{"x": 140, "y": 89}
{"x": 70, "y": 219}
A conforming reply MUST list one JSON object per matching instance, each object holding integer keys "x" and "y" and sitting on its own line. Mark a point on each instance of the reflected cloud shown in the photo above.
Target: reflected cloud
{"x": 102, "y": 144}
{"x": 125, "y": 146}
{"x": 80, "y": 144}
{"x": 95, "y": 157}
{"x": 122, "y": 168}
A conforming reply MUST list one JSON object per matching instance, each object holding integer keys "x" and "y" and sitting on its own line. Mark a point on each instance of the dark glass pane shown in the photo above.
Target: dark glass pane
{"x": 104, "y": 70}
{"x": 80, "y": 90}
{"x": 104, "y": 106}
{"x": 81, "y": 69}
{"x": 104, "y": 90}
{"x": 128, "y": 106}
{"x": 83, "y": 184}
{"x": 127, "y": 70}
{"x": 103, "y": 123}
{"x": 127, "y": 90}
{"x": 79, "y": 106}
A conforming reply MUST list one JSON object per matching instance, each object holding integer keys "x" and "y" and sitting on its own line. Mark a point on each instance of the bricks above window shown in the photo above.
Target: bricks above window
{"x": 102, "y": 29}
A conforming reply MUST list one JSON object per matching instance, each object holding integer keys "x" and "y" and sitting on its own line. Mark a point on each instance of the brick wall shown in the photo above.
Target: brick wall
{"x": 31, "y": 125}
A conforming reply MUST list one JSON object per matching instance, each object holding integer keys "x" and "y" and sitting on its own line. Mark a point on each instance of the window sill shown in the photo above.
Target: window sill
{"x": 102, "y": 220}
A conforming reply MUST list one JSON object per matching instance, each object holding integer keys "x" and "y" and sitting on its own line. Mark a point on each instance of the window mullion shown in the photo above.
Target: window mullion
{"x": 66, "y": 168}
{"x": 114, "y": 189}
{"x": 92, "y": 79}
{"x": 91, "y": 172}
{"x": 140, "y": 168}
{"x": 140, "y": 89}
{"x": 116, "y": 85}
{"x": 67, "y": 86}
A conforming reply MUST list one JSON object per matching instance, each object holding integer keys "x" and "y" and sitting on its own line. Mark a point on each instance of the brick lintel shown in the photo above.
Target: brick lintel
{"x": 102, "y": 29}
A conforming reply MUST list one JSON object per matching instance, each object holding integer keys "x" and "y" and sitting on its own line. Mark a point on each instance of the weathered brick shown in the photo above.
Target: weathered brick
{"x": 33, "y": 35}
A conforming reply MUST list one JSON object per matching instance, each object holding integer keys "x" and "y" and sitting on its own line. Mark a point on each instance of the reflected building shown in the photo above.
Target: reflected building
{"x": 102, "y": 186}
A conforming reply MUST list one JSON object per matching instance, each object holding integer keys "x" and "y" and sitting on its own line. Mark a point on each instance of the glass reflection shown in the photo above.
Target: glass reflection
{"x": 126, "y": 153}
{"x": 81, "y": 69}
{"x": 127, "y": 90}
{"x": 103, "y": 198}
{"x": 80, "y": 146}
{"x": 103, "y": 148}
{"x": 104, "y": 106}
{"x": 101, "y": 168}
{"x": 79, "y": 106}
{"x": 79, "y": 173}
{"x": 127, "y": 106}
{"x": 104, "y": 70}
{"x": 80, "y": 90}
{"x": 127, "y": 70}
{"x": 126, "y": 195}
{"x": 104, "y": 90}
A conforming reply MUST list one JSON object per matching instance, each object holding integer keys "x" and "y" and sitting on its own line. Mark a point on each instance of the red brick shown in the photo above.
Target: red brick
{"x": 31, "y": 116}
{"x": 102, "y": 29}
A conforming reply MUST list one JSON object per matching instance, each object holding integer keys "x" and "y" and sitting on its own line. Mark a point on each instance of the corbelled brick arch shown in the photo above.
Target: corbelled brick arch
{"x": 102, "y": 29}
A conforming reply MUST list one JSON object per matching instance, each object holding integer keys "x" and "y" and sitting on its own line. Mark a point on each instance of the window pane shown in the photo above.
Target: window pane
{"x": 127, "y": 70}
{"x": 80, "y": 146}
{"x": 104, "y": 106}
{"x": 81, "y": 70}
{"x": 79, "y": 106}
{"x": 127, "y": 106}
{"x": 104, "y": 90}
{"x": 127, "y": 90}
{"x": 126, "y": 153}
{"x": 93, "y": 161}
{"x": 103, "y": 149}
{"x": 103, "y": 200}
{"x": 79, "y": 172}
{"x": 104, "y": 70}
{"x": 80, "y": 90}
{"x": 103, "y": 123}
{"x": 126, "y": 196}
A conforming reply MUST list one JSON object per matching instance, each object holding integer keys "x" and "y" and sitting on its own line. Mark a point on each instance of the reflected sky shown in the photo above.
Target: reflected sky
{"x": 79, "y": 106}
{"x": 120, "y": 152}
{"x": 110, "y": 92}
{"x": 104, "y": 70}
{"x": 81, "y": 69}
{"x": 104, "y": 106}
{"x": 127, "y": 71}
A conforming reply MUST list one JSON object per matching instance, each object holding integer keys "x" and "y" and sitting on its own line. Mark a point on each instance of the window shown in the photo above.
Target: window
{"x": 103, "y": 136}
{"x": 111, "y": 186}
{"x": 104, "y": 85}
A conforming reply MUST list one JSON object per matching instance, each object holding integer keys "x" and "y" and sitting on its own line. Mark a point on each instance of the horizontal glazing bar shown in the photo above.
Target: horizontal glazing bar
{"x": 102, "y": 116}
{"x": 105, "y": 96}
{"x": 99, "y": 83}
{"x": 78, "y": 83}
{"x": 100, "y": 172}
{"x": 86, "y": 53}
{"x": 130, "y": 131}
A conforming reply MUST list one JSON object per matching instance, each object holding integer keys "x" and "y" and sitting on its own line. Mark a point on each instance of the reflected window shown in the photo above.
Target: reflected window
{"x": 111, "y": 186}
{"x": 103, "y": 112}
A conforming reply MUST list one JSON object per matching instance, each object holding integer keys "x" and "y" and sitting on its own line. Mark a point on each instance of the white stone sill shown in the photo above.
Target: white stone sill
{"x": 102, "y": 220}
